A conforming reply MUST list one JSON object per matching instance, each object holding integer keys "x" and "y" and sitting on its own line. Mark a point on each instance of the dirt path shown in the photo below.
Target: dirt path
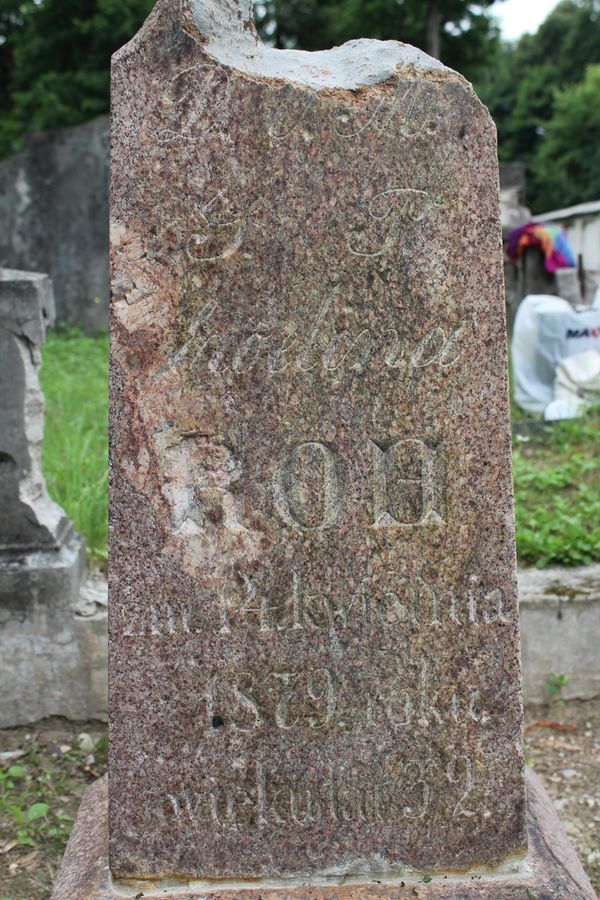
{"x": 54, "y": 761}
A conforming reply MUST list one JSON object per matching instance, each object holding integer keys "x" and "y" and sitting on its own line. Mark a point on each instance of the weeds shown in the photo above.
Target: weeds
{"x": 557, "y": 493}
{"x": 74, "y": 379}
{"x": 42, "y": 778}
{"x": 32, "y": 799}
{"x": 554, "y": 685}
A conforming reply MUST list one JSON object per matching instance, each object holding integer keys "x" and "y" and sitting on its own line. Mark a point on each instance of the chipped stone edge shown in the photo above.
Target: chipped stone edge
{"x": 511, "y": 868}
{"x": 225, "y": 31}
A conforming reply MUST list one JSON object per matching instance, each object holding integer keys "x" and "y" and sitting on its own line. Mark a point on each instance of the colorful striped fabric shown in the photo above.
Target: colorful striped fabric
{"x": 550, "y": 239}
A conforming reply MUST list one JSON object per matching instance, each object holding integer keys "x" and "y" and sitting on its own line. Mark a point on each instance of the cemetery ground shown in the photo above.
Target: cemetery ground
{"x": 45, "y": 768}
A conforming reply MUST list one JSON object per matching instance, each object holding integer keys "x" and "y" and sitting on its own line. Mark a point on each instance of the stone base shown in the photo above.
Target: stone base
{"x": 552, "y": 871}
{"x": 48, "y": 663}
{"x": 559, "y": 612}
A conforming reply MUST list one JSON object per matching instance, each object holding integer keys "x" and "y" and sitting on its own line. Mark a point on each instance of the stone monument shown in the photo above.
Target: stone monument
{"x": 54, "y": 217}
{"x": 42, "y": 560}
{"x": 315, "y": 678}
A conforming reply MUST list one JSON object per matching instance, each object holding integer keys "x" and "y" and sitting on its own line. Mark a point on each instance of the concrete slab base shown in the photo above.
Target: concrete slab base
{"x": 551, "y": 871}
{"x": 559, "y": 611}
{"x": 52, "y": 656}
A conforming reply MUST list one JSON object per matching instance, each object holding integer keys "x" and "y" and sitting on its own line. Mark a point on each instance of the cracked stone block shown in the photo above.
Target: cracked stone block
{"x": 42, "y": 560}
{"x": 30, "y": 519}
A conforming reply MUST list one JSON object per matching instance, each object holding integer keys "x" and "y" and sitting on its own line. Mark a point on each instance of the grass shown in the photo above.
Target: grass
{"x": 557, "y": 493}
{"x": 557, "y": 470}
{"x": 74, "y": 379}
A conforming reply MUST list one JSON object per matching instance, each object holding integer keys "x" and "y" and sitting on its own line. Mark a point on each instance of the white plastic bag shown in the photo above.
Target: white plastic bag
{"x": 576, "y": 385}
{"x": 548, "y": 330}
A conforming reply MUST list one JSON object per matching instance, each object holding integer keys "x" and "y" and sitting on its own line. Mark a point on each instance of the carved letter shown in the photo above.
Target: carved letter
{"x": 307, "y": 487}
{"x": 405, "y": 484}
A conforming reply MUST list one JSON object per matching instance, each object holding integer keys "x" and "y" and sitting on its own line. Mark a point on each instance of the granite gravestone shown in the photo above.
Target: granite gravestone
{"x": 314, "y": 634}
{"x": 315, "y": 652}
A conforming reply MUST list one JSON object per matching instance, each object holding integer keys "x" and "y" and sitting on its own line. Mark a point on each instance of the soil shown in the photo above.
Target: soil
{"x": 60, "y": 759}
{"x": 562, "y": 743}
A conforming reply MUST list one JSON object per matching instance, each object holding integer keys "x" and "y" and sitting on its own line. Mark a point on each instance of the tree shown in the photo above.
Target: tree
{"x": 521, "y": 90}
{"x": 433, "y": 32}
{"x": 55, "y": 60}
{"x": 459, "y": 32}
{"x": 567, "y": 162}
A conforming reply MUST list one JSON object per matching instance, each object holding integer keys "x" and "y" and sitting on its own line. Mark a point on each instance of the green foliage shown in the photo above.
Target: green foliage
{"x": 554, "y": 685}
{"x": 55, "y": 61}
{"x": 75, "y": 456}
{"x": 469, "y": 37}
{"x": 31, "y": 798}
{"x": 557, "y": 492}
{"x": 568, "y": 159}
{"x": 524, "y": 91}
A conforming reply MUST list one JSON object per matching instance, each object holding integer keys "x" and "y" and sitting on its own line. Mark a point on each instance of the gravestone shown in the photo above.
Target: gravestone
{"x": 54, "y": 217}
{"x": 42, "y": 560}
{"x": 30, "y": 519}
{"x": 314, "y": 633}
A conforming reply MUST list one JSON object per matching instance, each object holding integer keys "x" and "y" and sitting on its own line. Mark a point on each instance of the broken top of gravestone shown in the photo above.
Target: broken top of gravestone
{"x": 30, "y": 520}
{"x": 314, "y": 633}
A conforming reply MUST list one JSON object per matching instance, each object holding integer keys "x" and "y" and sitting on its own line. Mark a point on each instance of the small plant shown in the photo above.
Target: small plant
{"x": 33, "y": 805}
{"x": 554, "y": 685}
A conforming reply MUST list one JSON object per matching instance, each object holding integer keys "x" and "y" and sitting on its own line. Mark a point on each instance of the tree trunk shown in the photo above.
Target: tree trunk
{"x": 434, "y": 28}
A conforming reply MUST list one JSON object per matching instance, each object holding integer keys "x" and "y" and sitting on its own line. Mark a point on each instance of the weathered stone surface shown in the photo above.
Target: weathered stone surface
{"x": 54, "y": 217}
{"x": 30, "y": 520}
{"x": 314, "y": 637}
{"x": 551, "y": 872}
{"x": 44, "y": 655}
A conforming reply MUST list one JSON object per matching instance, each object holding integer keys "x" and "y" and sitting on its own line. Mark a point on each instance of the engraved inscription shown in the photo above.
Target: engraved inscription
{"x": 405, "y": 490}
{"x": 154, "y": 621}
{"x": 317, "y": 699}
{"x": 180, "y": 115}
{"x": 400, "y": 110}
{"x": 217, "y": 233}
{"x": 396, "y": 603}
{"x": 256, "y": 797}
{"x": 308, "y": 487}
{"x": 393, "y": 207}
{"x": 283, "y": 699}
{"x": 323, "y": 347}
{"x": 407, "y": 485}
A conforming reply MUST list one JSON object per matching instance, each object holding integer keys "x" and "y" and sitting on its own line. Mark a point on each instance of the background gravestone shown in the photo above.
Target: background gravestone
{"x": 46, "y": 654}
{"x": 314, "y": 634}
{"x": 30, "y": 519}
{"x": 54, "y": 217}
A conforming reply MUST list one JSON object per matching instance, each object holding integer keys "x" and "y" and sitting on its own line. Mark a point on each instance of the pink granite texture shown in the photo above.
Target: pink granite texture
{"x": 313, "y": 619}
{"x": 553, "y": 871}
